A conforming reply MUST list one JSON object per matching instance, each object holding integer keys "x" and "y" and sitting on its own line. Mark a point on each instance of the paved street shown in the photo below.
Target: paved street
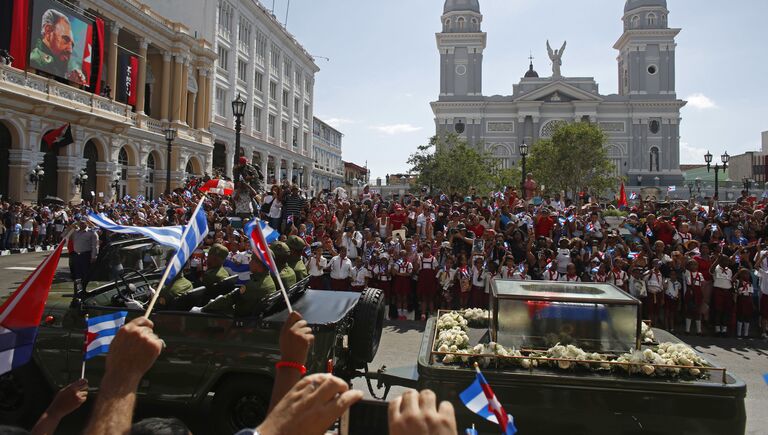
{"x": 748, "y": 359}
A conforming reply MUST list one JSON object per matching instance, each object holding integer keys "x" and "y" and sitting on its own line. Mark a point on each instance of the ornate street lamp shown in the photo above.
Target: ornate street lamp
{"x": 36, "y": 175}
{"x": 170, "y": 136}
{"x": 523, "y": 154}
{"x": 81, "y": 178}
{"x": 238, "y": 109}
{"x": 724, "y": 158}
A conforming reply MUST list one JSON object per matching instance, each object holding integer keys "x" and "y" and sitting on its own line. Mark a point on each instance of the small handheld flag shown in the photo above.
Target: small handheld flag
{"x": 479, "y": 398}
{"x": 101, "y": 332}
{"x": 671, "y": 188}
{"x": 259, "y": 231}
{"x": 632, "y": 196}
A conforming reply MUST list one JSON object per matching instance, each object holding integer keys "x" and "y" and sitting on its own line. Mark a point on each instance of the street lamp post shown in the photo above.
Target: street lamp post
{"x": 639, "y": 180}
{"x": 36, "y": 175}
{"x": 170, "y": 136}
{"x": 238, "y": 109}
{"x": 116, "y": 185}
{"x": 724, "y": 158}
{"x": 80, "y": 179}
{"x": 698, "y": 186}
{"x": 523, "y": 154}
{"x": 301, "y": 177}
{"x": 747, "y": 184}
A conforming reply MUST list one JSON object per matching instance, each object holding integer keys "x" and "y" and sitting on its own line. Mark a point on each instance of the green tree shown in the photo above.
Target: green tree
{"x": 574, "y": 160}
{"x": 447, "y": 163}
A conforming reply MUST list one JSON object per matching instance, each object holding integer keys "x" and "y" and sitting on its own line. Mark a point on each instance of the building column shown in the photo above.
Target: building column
{"x": 140, "y": 94}
{"x": 176, "y": 94}
{"x": 229, "y": 161}
{"x": 184, "y": 92}
{"x": 191, "y": 121}
{"x": 278, "y": 170}
{"x": 165, "y": 87}
{"x": 112, "y": 63}
{"x": 208, "y": 92}
{"x": 265, "y": 168}
{"x": 200, "y": 103}
{"x": 289, "y": 172}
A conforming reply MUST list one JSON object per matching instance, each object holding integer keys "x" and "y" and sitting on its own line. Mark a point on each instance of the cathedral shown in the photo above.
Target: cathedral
{"x": 642, "y": 121}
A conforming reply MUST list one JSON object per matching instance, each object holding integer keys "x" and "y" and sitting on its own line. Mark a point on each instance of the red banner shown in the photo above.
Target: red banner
{"x": 20, "y": 33}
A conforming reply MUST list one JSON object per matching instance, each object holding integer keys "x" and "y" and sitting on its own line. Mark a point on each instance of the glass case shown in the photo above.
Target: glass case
{"x": 537, "y": 315}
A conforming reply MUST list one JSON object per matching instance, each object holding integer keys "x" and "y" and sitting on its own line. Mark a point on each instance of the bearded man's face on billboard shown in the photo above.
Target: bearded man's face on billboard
{"x": 59, "y": 39}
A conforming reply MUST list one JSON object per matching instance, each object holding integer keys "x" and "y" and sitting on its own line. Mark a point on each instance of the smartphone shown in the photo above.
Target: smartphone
{"x": 369, "y": 417}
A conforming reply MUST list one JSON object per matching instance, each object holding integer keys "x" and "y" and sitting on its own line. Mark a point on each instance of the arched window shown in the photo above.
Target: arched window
{"x": 448, "y": 24}
{"x": 635, "y": 22}
{"x": 664, "y": 20}
{"x": 654, "y": 159}
{"x": 548, "y": 130}
{"x": 474, "y": 24}
{"x": 460, "y": 22}
{"x": 616, "y": 157}
{"x": 502, "y": 155}
{"x": 651, "y": 19}
{"x": 122, "y": 174}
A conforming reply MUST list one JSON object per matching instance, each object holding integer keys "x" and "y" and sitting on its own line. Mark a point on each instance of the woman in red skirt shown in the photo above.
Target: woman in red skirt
{"x": 693, "y": 296}
{"x": 464, "y": 282}
{"x": 402, "y": 270}
{"x": 723, "y": 295}
{"x": 744, "y": 309}
{"x": 426, "y": 289}
{"x": 383, "y": 280}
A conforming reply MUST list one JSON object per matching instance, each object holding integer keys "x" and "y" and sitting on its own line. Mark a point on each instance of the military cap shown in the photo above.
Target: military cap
{"x": 296, "y": 243}
{"x": 218, "y": 250}
{"x": 280, "y": 249}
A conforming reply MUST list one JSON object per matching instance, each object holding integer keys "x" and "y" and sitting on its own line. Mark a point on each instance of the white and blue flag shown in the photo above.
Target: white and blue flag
{"x": 166, "y": 236}
{"x": 101, "y": 332}
{"x": 194, "y": 234}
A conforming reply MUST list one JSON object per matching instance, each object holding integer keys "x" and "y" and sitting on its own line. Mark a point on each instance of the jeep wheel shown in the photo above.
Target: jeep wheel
{"x": 240, "y": 403}
{"x": 368, "y": 323}
{"x": 24, "y": 395}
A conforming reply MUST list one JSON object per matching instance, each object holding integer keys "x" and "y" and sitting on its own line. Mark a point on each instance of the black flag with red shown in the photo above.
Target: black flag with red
{"x": 58, "y": 138}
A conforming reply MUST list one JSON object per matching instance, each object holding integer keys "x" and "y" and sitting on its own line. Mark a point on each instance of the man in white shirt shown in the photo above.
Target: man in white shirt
{"x": 341, "y": 267}
{"x": 359, "y": 275}
{"x": 351, "y": 240}
{"x": 316, "y": 266}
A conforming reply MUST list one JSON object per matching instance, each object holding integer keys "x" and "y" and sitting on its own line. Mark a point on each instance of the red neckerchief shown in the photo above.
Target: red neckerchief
{"x": 617, "y": 275}
{"x": 551, "y": 274}
{"x": 568, "y": 278}
{"x": 511, "y": 272}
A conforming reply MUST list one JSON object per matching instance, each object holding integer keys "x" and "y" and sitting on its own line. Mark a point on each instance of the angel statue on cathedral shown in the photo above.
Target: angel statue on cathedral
{"x": 557, "y": 59}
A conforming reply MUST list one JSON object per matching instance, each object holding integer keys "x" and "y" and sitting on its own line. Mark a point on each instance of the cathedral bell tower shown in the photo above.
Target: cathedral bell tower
{"x": 461, "y": 45}
{"x": 646, "y": 49}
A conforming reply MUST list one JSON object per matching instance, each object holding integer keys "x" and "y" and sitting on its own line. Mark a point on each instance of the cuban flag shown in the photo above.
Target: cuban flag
{"x": 22, "y": 311}
{"x": 261, "y": 235}
{"x": 101, "y": 332}
{"x": 240, "y": 268}
{"x": 166, "y": 236}
{"x": 648, "y": 231}
{"x": 219, "y": 187}
{"x": 632, "y": 196}
{"x": 671, "y": 188}
{"x": 194, "y": 234}
{"x": 479, "y": 398}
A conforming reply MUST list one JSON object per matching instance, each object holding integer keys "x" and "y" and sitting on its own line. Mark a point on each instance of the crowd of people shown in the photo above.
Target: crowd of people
{"x": 701, "y": 268}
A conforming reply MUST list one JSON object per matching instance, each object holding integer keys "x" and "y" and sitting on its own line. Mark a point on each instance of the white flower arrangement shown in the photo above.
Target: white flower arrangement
{"x": 673, "y": 354}
{"x": 452, "y": 337}
{"x": 646, "y": 332}
{"x": 476, "y": 316}
{"x": 451, "y": 320}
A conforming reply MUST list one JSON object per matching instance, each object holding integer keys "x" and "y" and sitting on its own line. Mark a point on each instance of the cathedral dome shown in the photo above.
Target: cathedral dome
{"x": 531, "y": 73}
{"x": 461, "y": 6}
{"x": 635, "y": 4}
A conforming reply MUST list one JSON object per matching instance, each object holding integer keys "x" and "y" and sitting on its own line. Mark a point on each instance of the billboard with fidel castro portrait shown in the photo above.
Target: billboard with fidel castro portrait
{"x": 60, "y": 42}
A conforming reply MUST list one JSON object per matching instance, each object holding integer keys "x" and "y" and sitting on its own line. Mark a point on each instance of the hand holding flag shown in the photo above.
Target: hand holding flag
{"x": 479, "y": 398}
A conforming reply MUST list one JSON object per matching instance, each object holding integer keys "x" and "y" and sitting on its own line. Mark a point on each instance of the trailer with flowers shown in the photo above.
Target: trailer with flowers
{"x": 576, "y": 359}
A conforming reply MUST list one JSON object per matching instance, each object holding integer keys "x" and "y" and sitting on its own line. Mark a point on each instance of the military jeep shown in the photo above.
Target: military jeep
{"x": 230, "y": 359}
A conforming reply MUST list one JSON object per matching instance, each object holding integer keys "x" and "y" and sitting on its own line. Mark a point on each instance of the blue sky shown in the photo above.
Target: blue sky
{"x": 383, "y": 68}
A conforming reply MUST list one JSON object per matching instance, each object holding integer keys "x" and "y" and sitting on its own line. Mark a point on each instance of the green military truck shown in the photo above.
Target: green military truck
{"x": 230, "y": 359}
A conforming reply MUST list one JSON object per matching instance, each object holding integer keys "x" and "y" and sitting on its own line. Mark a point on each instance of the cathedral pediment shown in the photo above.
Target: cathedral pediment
{"x": 558, "y": 92}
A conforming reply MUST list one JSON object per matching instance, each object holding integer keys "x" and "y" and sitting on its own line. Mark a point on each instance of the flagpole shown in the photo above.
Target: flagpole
{"x": 168, "y": 266}
{"x": 85, "y": 347}
{"x": 277, "y": 274}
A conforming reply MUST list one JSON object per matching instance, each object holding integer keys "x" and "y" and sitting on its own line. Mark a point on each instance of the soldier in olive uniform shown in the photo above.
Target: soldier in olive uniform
{"x": 216, "y": 272}
{"x": 297, "y": 245}
{"x": 245, "y": 302}
{"x": 172, "y": 292}
{"x": 281, "y": 253}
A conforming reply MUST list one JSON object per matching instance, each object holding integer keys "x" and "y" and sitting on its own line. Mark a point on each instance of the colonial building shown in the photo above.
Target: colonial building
{"x": 329, "y": 169}
{"x": 261, "y": 61}
{"x": 119, "y": 141}
{"x": 355, "y": 176}
{"x": 642, "y": 121}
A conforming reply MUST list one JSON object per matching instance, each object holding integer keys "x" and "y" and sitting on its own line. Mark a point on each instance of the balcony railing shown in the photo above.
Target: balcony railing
{"x": 45, "y": 89}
